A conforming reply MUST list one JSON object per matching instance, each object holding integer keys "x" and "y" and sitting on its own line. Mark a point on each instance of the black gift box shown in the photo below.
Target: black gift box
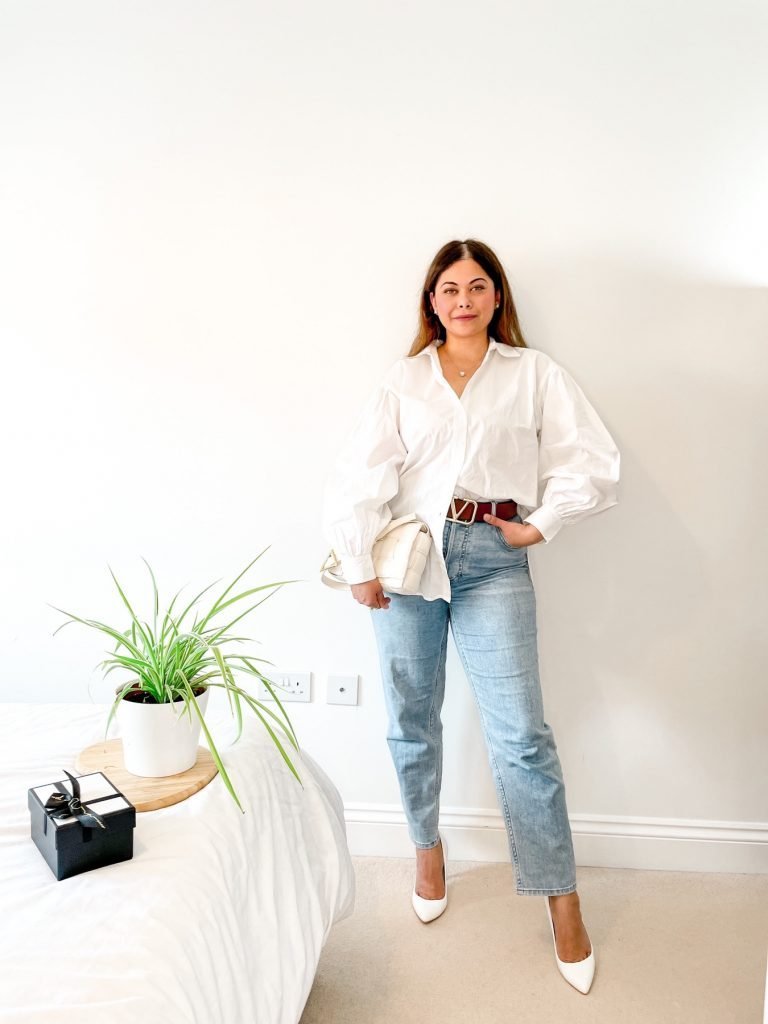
{"x": 81, "y": 823}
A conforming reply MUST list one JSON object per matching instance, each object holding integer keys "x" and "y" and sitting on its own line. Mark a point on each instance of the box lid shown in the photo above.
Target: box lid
{"x": 97, "y": 793}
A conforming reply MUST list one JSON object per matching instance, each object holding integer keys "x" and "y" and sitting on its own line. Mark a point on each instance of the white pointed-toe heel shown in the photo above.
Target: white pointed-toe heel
{"x": 578, "y": 973}
{"x": 428, "y": 910}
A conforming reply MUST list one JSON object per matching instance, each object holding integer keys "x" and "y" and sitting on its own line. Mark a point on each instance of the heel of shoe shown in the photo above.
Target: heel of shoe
{"x": 429, "y": 910}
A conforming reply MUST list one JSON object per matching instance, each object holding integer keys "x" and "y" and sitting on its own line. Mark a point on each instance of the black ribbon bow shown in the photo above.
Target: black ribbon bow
{"x": 62, "y": 805}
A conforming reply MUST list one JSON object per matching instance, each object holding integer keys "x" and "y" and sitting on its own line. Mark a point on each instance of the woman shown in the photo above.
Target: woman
{"x": 496, "y": 448}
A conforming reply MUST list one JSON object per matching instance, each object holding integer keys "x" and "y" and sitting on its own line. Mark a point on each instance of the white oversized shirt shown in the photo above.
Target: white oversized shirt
{"x": 522, "y": 428}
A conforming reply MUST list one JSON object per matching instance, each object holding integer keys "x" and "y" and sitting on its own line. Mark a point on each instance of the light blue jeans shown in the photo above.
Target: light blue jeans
{"x": 492, "y": 614}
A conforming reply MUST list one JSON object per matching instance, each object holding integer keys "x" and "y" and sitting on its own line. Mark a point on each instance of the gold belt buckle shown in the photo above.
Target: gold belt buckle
{"x": 464, "y": 522}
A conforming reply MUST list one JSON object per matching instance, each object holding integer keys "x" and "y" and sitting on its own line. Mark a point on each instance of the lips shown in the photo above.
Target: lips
{"x": 464, "y": 317}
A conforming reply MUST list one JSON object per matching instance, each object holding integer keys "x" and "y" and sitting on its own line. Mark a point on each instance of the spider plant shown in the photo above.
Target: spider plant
{"x": 175, "y": 655}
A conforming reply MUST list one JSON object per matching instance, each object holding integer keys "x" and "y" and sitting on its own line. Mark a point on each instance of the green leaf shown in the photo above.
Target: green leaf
{"x": 252, "y": 590}
{"x": 278, "y": 744}
{"x": 156, "y": 601}
{"x": 273, "y": 691}
{"x": 194, "y": 601}
{"x": 250, "y": 698}
{"x": 116, "y": 705}
{"x": 242, "y": 615}
{"x": 214, "y": 751}
{"x": 120, "y": 638}
{"x": 216, "y": 604}
{"x": 148, "y": 643}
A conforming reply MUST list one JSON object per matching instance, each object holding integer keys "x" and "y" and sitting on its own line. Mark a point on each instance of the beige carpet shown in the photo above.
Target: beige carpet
{"x": 670, "y": 947}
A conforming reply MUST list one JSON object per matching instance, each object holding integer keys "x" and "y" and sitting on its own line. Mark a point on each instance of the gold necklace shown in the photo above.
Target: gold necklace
{"x": 461, "y": 373}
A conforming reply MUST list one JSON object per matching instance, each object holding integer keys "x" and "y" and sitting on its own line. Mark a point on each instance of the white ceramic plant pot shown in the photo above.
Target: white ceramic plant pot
{"x": 158, "y": 739}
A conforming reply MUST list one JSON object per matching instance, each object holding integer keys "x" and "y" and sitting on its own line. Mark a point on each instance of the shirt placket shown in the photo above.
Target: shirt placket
{"x": 458, "y": 454}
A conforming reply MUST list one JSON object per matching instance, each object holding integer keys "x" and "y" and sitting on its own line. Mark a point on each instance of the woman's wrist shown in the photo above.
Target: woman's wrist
{"x": 517, "y": 534}
{"x": 537, "y": 535}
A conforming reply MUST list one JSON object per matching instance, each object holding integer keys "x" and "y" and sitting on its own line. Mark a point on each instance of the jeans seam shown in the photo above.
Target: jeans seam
{"x": 446, "y": 543}
{"x": 463, "y": 551}
{"x": 547, "y": 892}
{"x": 464, "y": 543}
{"x": 443, "y": 646}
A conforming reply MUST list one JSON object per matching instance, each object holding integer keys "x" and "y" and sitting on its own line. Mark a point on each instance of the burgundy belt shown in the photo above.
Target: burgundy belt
{"x": 467, "y": 510}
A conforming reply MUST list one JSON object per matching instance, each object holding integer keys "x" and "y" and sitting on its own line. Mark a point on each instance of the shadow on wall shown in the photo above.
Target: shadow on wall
{"x": 651, "y": 615}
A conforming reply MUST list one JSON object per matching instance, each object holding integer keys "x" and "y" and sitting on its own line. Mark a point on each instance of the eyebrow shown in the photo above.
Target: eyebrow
{"x": 471, "y": 282}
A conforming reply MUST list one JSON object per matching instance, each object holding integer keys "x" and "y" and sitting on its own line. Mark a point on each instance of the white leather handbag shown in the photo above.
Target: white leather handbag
{"x": 399, "y": 555}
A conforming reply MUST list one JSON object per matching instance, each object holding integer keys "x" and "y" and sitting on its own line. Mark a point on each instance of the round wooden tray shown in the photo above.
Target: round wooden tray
{"x": 146, "y": 794}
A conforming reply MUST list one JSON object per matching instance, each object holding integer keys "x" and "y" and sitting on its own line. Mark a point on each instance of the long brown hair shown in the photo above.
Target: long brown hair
{"x": 504, "y": 325}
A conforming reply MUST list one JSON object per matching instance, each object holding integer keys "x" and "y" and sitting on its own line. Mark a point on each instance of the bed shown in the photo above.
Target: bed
{"x": 219, "y": 918}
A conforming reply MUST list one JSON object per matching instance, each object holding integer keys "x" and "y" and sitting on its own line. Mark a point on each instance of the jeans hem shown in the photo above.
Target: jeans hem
{"x": 547, "y": 892}
{"x": 427, "y": 846}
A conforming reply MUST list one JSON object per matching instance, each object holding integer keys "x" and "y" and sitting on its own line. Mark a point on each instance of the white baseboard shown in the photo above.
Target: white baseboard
{"x": 613, "y": 841}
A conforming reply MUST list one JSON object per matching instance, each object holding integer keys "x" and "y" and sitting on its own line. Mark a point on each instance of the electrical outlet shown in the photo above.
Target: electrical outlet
{"x": 289, "y": 686}
{"x": 341, "y": 690}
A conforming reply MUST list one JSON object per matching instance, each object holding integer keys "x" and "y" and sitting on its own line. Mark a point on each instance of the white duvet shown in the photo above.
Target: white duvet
{"x": 220, "y": 917}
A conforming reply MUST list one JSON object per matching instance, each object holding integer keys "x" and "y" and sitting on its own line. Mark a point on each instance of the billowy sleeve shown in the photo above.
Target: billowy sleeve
{"x": 364, "y": 477}
{"x": 578, "y": 459}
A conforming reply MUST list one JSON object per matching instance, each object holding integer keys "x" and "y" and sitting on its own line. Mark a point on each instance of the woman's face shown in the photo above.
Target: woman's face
{"x": 464, "y": 299}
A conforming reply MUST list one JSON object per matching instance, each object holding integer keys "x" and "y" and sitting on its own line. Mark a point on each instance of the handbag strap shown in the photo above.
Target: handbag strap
{"x": 327, "y": 576}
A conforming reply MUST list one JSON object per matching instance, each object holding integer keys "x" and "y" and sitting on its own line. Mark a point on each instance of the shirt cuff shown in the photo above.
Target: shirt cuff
{"x": 357, "y": 568}
{"x": 546, "y": 521}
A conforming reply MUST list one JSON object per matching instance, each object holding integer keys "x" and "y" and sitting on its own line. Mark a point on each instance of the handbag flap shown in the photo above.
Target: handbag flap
{"x": 334, "y": 562}
{"x": 394, "y": 523}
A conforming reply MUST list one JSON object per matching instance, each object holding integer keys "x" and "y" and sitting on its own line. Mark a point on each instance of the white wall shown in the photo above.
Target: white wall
{"x": 215, "y": 222}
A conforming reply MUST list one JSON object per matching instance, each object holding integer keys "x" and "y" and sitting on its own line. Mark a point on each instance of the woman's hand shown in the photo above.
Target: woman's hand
{"x": 519, "y": 535}
{"x": 370, "y": 594}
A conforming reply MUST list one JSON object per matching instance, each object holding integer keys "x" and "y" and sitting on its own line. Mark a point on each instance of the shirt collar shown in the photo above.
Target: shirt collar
{"x": 505, "y": 350}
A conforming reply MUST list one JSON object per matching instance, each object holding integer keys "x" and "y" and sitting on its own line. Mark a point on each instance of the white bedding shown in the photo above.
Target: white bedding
{"x": 220, "y": 917}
